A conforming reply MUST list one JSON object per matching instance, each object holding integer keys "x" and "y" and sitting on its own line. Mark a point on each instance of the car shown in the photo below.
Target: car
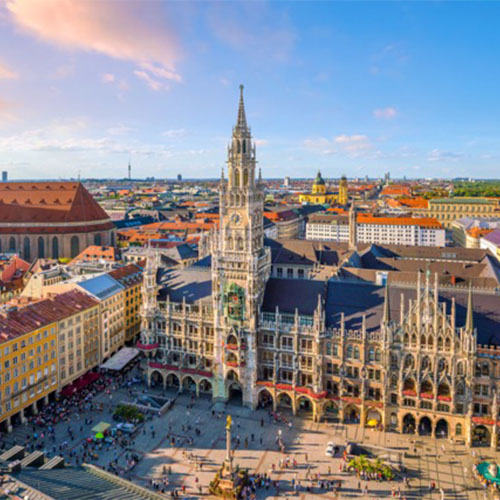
{"x": 329, "y": 452}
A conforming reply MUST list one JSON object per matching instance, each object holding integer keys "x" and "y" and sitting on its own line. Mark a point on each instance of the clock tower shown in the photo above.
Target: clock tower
{"x": 240, "y": 267}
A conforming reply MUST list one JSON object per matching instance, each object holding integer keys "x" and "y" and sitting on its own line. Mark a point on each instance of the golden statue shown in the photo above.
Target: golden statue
{"x": 229, "y": 422}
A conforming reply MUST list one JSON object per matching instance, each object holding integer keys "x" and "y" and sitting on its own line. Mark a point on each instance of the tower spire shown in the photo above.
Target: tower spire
{"x": 387, "y": 310}
{"x": 241, "y": 123}
{"x": 469, "y": 321}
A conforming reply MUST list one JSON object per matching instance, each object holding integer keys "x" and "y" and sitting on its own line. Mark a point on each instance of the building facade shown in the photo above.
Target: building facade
{"x": 51, "y": 219}
{"x": 416, "y": 359}
{"x": 373, "y": 229}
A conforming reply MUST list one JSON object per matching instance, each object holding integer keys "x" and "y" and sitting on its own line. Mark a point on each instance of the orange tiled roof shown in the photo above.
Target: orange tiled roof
{"x": 428, "y": 222}
{"x": 477, "y": 232}
{"x": 95, "y": 252}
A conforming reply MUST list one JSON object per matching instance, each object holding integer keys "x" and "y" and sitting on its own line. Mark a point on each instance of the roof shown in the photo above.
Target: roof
{"x": 464, "y": 199}
{"x": 356, "y": 300}
{"x": 493, "y": 237}
{"x": 78, "y": 483}
{"x": 291, "y": 294}
{"x": 96, "y": 252}
{"x": 128, "y": 275}
{"x": 428, "y": 222}
{"x": 319, "y": 180}
{"x": 189, "y": 284}
{"x": 102, "y": 287}
{"x": 65, "y": 202}
{"x": 42, "y": 313}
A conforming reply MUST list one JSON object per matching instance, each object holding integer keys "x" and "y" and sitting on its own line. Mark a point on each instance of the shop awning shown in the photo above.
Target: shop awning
{"x": 101, "y": 427}
{"x": 121, "y": 359}
{"x": 80, "y": 383}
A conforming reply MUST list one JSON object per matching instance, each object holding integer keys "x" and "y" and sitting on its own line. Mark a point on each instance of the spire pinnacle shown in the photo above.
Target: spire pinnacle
{"x": 469, "y": 321}
{"x": 241, "y": 123}
{"x": 387, "y": 310}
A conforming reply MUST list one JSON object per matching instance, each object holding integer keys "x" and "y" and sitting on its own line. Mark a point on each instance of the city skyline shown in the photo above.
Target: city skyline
{"x": 405, "y": 88}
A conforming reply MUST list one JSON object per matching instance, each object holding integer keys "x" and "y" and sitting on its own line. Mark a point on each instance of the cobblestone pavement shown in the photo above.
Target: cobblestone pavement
{"x": 304, "y": 440}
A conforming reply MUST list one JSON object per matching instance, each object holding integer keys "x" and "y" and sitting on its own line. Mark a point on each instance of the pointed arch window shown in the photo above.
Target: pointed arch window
{"x": 55, "y": 248}
{"x": 41, "y": 248}
{"x": 245, "y": 177}
{"x": 12, "y": 244}
{"x": 75, "y": 246}
{"x": 237, "y": 178}
{"x": 27, "y": 249}
{"x": 244, "y": 146}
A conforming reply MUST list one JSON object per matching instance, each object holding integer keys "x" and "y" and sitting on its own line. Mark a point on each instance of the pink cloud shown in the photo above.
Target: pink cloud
{"x": 150, "y": 82}
{"x": 126, "y": 30}
{"x": 6, "y": 73}
{"x": 385, "y": 113}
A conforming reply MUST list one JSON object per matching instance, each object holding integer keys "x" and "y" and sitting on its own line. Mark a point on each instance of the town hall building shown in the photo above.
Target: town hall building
{"x": 413, "y": 357}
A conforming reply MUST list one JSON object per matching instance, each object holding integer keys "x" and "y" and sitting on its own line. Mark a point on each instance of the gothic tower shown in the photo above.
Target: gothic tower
{"x": 240, "y": 265}
{"x": 343, "y": 193}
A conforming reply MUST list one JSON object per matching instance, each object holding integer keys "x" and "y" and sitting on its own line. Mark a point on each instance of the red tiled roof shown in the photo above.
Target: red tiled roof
{"x": 127, "y": 275}
{"x": 44, "y": 312}
{"x": 14, "y": 265}
{"x": 49, "y": 202}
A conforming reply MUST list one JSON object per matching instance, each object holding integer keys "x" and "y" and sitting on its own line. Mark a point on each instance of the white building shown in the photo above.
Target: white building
{"x": 374, "y": 229}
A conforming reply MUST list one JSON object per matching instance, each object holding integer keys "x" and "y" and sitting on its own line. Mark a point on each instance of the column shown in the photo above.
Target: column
{"x": 23, "y": 418}
{"x": 34, "y": 408}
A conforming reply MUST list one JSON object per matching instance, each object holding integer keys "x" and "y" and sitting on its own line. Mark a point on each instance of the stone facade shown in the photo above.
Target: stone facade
{"x": 225, "y": 334}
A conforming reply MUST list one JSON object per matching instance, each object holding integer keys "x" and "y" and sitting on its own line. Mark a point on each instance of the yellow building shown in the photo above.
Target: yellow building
{"x": 319, "y": 194}
{"x": 447, "y": 210}
{"x": 34, "y": 355}
{"x": 130, "y": 276}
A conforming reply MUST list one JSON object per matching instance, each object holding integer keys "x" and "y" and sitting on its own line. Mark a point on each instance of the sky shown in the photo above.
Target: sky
{"x": 355, "y": 88}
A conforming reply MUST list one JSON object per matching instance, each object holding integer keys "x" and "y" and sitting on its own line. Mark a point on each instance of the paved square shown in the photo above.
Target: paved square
{"x": 199, "y": 450}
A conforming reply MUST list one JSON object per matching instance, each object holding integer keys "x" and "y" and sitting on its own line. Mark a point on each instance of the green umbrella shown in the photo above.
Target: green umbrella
{"x": 99, "y": 435}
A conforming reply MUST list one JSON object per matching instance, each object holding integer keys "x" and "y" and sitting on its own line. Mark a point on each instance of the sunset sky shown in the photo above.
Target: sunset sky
{"x": 347, "y": 87}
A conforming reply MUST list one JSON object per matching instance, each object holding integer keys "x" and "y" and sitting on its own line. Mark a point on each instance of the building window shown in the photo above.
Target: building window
{"x": 97, "y": 240}
{"x": 12, "y": 244}
{"x": 26, "y": 249}
{"x": 41, "y": 248}
{"x": 55, "y": 248}
{"x": 75, "y": 246}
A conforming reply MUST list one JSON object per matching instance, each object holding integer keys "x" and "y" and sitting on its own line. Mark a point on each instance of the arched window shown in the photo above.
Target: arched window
{"x": 97, "y": 239}
{"x": 458, "y": 430}
{"x": 377, "y": 355}
{"x": 41, "y": 248}
{"x": 371, "y": 354}
{"x": 430, "y": 341}
{"x": 244, "y": 146}
{"x": 26, "y": 249}
{"x": 230, "y": 243}
{"x": 460, "y": 368}
{"x": 447, "y": 344}
{"x": 239, "y": 243}
{"x": 460, "y": 389}
{"x": 422, "y": 340}
{"x": 55, "y": 248}
{"x": 440, "y": 343}
{"x": 413, "y": 340}
{"x": 75, "y": 246}
{"x": 485, "y": 369}
{"x": 237, "y": 178}
{"x": 356, "y": 352}
{"x": 238, "y": 147}
{"x": 406, "y": 339}
{"x": 12, "y": 244}
{"x": 245, "y": 177}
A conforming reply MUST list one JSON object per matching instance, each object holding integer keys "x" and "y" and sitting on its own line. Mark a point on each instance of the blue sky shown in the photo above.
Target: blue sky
{"x": 347, "y": 87}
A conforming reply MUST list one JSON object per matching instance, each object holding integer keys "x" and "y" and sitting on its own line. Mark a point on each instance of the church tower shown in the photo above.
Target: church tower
{"x": 240, "y": 265}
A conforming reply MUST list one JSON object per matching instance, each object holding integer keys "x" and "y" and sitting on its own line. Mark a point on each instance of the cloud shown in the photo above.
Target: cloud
{"x": 120, "y": 130}
{"x": 108, "y": 78}
{"x": 6, "y": 73}
{"x": 179, "y": 132}
{"x": 320, "y": 145}
{"x": 261, "y": 142}
{"x": 150, "y": 81}
{"x": 126, "y": 30}
{"x": 385, "y": 113}
{"x": 438, "y": 155}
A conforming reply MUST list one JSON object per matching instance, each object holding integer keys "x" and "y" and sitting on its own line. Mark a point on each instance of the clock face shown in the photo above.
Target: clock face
{"x": 235, "y": 219}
